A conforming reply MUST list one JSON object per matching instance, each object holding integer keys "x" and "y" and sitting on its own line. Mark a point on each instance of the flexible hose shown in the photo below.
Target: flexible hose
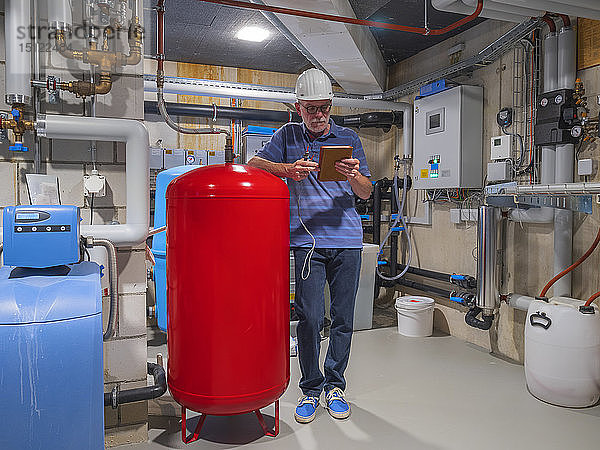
{"x": 113, "y": 279}
{"x": 592, "y": 298}
{"x": 572, "y": 266}
{"x": 399, "y": 218}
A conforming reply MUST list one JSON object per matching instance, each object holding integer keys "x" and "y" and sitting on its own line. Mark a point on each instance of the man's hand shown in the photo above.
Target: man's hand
{"x": 300, "y": 169}
{"x": 348, "y": 168}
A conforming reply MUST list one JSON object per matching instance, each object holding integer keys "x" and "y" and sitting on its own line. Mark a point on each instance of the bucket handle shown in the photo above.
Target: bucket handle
{"x": 539, "y": 319}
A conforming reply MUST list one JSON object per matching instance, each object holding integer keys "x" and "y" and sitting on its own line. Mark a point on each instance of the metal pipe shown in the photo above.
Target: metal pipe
{"x": 135, "y": 135}
{"x": 383, "y": 119}
{"x": 565, "y": 155}
{"x": 487, "y": 273}
{"x": 352, "y": 20}
{"x": 17, "y": 19}
{"x": 113, "y": 279}
{"x": 119, "y": 397}
{"x": 60, "y": 14}
{"x": 519, "y": 301}
{"x": 551, "y": 62}
{"x": 244, "y": 91}
{"x": 558, "y": 188}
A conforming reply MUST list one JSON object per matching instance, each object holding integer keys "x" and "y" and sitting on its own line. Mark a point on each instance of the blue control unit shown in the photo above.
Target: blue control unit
{"x": 40, "y": 236}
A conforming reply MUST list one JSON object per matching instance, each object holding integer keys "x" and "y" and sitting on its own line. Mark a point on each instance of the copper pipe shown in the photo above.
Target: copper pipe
{"x": 61, "y": 45}
{"x": 85, "y": 88}
{"x": 135, "y": 44}
{"x": 352, "y": 20}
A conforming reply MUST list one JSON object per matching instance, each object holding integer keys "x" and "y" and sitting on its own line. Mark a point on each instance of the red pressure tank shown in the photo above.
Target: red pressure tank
{"x": 228, "y": 289}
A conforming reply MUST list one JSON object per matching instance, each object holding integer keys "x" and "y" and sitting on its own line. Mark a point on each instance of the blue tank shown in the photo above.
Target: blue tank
{"x": 51, "y": 376}
{"x": 159, "y": 241}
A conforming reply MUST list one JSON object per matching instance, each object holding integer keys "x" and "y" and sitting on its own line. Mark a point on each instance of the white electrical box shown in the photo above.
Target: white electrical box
{"x": 448, "y": 139}
{"x": 501, "y": 147}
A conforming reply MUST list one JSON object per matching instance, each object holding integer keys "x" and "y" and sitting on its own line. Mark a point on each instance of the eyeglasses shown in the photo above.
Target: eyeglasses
{"x": 311, "y": 109}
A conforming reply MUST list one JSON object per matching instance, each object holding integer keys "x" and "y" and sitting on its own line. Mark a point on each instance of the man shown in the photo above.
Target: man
{"x": 326, "y": 211}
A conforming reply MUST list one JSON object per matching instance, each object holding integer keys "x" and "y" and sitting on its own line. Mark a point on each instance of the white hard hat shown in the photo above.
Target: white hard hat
{"x": 313, "y": 84}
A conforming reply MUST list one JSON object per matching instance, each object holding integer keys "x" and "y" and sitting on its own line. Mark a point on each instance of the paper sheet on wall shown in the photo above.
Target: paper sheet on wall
{"x": 43, "y": 189}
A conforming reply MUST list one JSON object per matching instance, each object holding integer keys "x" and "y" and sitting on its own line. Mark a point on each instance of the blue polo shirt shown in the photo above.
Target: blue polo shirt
{"x": 326, "y": 207}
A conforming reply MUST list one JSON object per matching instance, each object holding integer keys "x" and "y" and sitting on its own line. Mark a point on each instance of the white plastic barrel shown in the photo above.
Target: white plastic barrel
{"x": 415, "y": 315}
{"x": 562, "y": 353}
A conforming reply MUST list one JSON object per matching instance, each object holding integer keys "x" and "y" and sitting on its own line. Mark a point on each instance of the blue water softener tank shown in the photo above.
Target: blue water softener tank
{"x": 159, "y": 241}
{"x": 51, "y": 375}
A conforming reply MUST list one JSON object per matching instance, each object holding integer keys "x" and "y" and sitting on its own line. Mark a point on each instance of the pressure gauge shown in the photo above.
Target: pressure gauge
{"x": 576, "y": 131}
{"x": 544, "y": 102}
{"x": 558, "y": 99}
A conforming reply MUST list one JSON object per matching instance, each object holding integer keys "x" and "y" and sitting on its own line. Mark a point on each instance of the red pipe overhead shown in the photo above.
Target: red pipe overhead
{"x": 352, "y": 20}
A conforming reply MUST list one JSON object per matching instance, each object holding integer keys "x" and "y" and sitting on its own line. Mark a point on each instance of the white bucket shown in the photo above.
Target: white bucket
{"x": 415, "y": 315}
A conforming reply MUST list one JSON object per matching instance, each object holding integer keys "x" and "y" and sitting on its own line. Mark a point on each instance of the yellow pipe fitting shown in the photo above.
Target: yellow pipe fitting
{"x": 85, "y": 88}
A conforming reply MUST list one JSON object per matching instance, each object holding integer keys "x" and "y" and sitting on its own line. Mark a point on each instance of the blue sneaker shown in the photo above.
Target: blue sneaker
{"x": 306, "y": 409}
{"x": 337, "y": 406}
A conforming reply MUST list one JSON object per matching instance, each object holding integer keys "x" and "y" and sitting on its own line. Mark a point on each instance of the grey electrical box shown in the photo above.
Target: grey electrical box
{"x": 215, "y": 157}
{"x": 447, "y": 139}
{"x": 173, "y": 157}
{"x": 253, "y": 140}
{"x": 156, "y": 158}
{"x": 499, "y": 171}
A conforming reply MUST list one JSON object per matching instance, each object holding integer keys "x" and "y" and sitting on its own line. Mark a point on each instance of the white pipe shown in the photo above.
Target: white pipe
{"x": 580, "y": 8}
{"x": 551, "y": 62}
{"x": 560, "y": 189}
{"x": 567, "y": 43}
{"x": 565, "y": 156}
{"x": 458, "y": 7}
{"x": 135, "y": 135}
{"x": 60, "y": 14}
{"x": 519, "y": 301}
{"x": 18, "y": 56}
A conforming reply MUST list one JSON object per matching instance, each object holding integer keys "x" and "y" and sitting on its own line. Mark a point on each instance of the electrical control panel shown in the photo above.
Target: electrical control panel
{"x": 447, "y": 139}
{"x": 40, "y": 236}
{"x": 501, "y": 147}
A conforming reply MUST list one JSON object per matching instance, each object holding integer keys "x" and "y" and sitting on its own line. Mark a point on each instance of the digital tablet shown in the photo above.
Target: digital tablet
{"x": 327, "y": 158}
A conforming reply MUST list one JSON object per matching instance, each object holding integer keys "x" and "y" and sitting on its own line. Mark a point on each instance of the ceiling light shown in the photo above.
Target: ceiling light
{"x": 254, "y": 34}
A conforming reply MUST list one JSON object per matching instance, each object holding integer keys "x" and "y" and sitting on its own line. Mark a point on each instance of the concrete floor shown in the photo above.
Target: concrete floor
{"x": 435, "y": 393}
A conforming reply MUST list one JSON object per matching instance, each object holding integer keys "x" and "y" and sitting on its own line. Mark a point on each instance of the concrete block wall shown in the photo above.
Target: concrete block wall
{"x": 125, "y": 355}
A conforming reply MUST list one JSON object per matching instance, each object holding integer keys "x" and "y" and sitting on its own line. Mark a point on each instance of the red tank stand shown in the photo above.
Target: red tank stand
{"x": 195, "y": 435}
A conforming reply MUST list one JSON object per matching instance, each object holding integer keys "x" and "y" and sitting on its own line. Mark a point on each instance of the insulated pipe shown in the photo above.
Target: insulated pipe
{"x": 135, "y": 135}
{"x": 548, "y": 161}
{"x": 188, "y": 86}
{"x": 565, "y": 155}
{"x": 113, "y": 279}
{"x": 211, "y": 88}
{"x": 60, "y": 14}
{"x": 567, "y": 44}
{"x": 551, "y": 62}
{"x": 17, "y": 18}
{"x": 519, "y": 301}
{"x": 487, "y": 283}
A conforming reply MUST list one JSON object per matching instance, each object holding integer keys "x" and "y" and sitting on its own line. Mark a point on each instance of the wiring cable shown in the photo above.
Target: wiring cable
{"x": 312, "y": 248}
{"x": 399, "y": 218}
{"x": 572, "y": 266}
{"x": 592, "y": 298}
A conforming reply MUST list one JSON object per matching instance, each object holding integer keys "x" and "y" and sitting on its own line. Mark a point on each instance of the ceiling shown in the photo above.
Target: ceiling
{"x": 203, "y": 33}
